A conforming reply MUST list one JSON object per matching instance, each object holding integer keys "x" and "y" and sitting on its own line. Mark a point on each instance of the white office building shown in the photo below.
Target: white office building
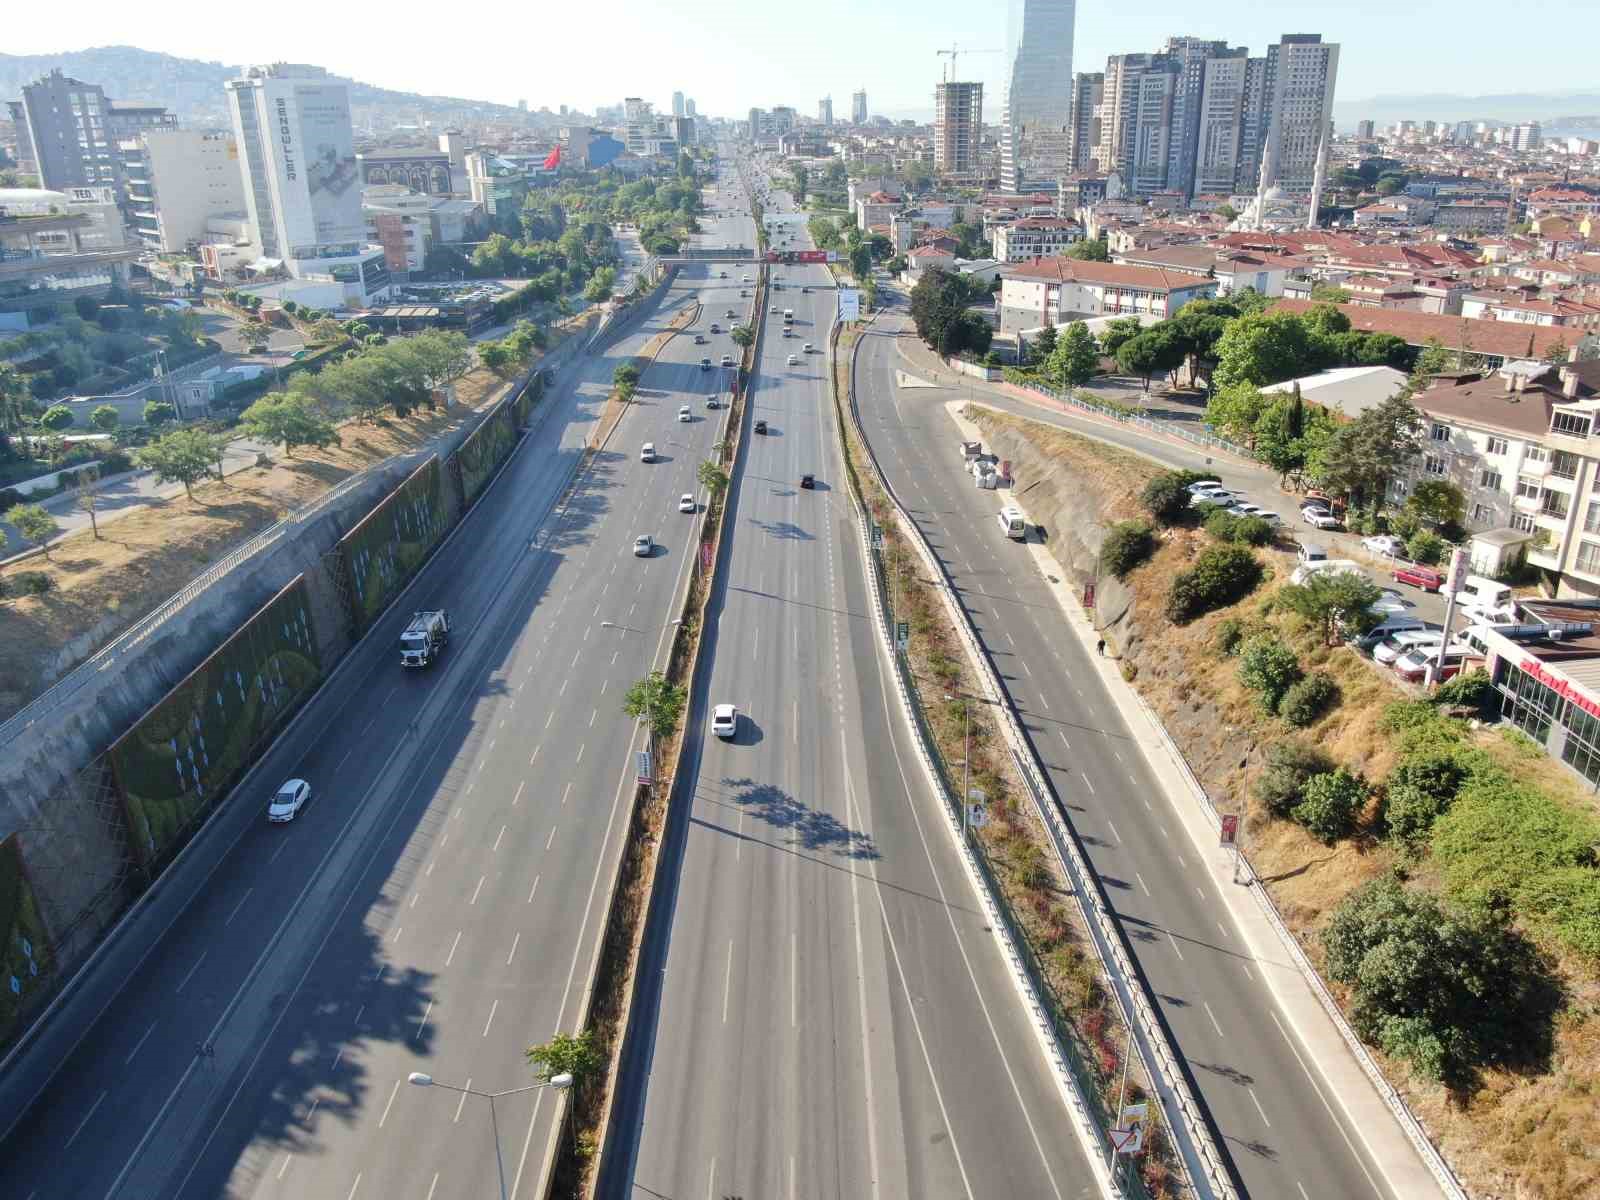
{"x": 1036, "y": 113}
{"x": 302, "y": 181}
{"x": 177, "y": 179}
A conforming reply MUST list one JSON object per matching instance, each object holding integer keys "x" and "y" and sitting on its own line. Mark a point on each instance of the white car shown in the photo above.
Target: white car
{"x": 1385, "y": 544}
{"x": 1389, "y": 602}
{"x": 1319, "y": 518}
{"x": 1255, "y": 510}
{"x": 288, "y": 801}
{"x": 1392, "y": 648}
{"x": 1222, "y": 499}
{"x": 686, "y": 503}
{"x": 684, "y": 414}
{"x": 724, "y": 721}
{"x": 647, "y": 452}
{"x": 712, "y": 402}
{"x": 643, "y": 547}
{"x": 1206, "y": 485}
{"x": 794, "y": 360}
{"x": 808, "y": 347}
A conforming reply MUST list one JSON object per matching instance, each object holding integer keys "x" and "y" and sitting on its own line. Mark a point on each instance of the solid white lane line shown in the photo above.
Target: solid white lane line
{"x": 140, "y": 1042}
{"x": 515, "y": 942}
{"x": 1213, "y": 1017}
{"x": 497, "y": 838}
{"x": 727, "y": 982}
{"x": 453, "y": 946}
{"x": 492, "y": 1009}
{"x": 423, "y": 1024}
{"x": 85, "y": 1120}
{"x": 386, "y": 1107}
{"x": 237, "y": 907}
{"x": 533, "y": 889}
{"x": 518, "y": 796}
{"x": 192, "y": 970}
{"x": 477, "y": 889}
{"x": 1316, "y": 1087}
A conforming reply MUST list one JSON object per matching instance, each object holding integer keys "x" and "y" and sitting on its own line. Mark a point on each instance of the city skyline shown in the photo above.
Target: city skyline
{"x": 731, "y": 61}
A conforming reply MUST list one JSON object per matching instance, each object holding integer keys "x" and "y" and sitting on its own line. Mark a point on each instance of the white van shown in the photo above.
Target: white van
{"x": 1481, "y": 593}
{"x": 1013, "y": 522}
{"x": 1306, "y": 570}
{"x": 1390, "y": 626}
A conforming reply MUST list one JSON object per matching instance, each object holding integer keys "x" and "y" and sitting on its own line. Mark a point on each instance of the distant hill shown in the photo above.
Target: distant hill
{"x": 1574, "y": 109}
{"x": 193, "y": 89}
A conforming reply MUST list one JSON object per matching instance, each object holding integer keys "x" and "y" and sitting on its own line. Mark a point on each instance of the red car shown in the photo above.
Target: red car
{"x": 1417, "y": 576}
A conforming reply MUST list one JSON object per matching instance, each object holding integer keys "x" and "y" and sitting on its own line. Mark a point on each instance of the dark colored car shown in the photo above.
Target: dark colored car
{"x": 1419, "y": 576}
{"x": 808, "y": 481}
{"x": 761, "y": 426}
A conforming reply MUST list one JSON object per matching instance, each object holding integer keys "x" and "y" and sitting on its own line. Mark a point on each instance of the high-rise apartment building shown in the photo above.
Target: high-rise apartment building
{"x": 858, "y": 107}
{"x": 1526, "y": 136}
{"x": 957, "y": 128}
{"x": 1136, "y": 119}
{"x": 1217, "y": 162}
{"x": 1201, "y": 65}
{"x": 688, "y": 108}
{"x": 302, "y": 184}
{"x": 1036, "y": 114}
{"x": 638, "y": 124}
{"x": 783, "y": 119}
{"x": 67, "y": 132}
{"x": 677, "y": 105}
{"x": 1301, "y": 71}
{"x": 757, "y": 123}
{"x": 1365, "y": 130}
{"x": 825, "y": 111}
{"x": 1083, "y": 120}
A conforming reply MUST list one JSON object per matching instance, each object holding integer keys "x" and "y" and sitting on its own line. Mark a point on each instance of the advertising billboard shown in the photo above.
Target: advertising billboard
{"x": 849, "y": 304}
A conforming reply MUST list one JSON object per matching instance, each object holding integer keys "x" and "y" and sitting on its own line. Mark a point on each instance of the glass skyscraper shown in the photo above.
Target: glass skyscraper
{"x": 1036, "y": 113}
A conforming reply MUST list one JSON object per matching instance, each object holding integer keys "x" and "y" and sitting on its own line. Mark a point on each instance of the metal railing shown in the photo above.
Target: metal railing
{"x": 1205, "y": 441}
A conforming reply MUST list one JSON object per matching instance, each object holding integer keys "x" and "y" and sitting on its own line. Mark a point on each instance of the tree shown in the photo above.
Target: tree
{"x": 656, "y": 701}
{"x": 288, "y": 417}
{"x": 799, "y": 177}
{"x": 1116, "y": 332}
{"x": 1155, "y": 351}
{"x": 1265, "y": 348}
{"x": 1362, "y": 454}
{"x": 255, "y": 333}
{"x": 626, "y": 374}
{"x": 56, "y": 418}
{"x": 1075, "y": 358}
{"x": 1335, "y": 602}
{"x": 743, "y": 336}
{"x": 1268, "y": 667}
{"x": 1227, "y": 212}
{"x": 1234, "y": 411}
{"x": 712, "y": 477}
{"x": 182, "y": 456}
{"x": 158, "y": 412}
{"x": 86, "y": 498}
{"x": 1290, "y": 765}
{"x": 1166, "y": 496}
{"x": 860, "y": 260}
{"x": 105, "y": 418}
{"x": 1327, "y": 293}
{"x": 1438, "y": 501}
{"x": 1044, "y": 345}
{"x": 566, "y": 1054}
{"x": 1329, "y": 804}
{"x": 35, "y": 524}
{"x": 1094, "y": 250}
{"x": 1221, "y": 575}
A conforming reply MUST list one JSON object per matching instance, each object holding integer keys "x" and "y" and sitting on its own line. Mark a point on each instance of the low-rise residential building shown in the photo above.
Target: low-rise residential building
{"x": 1233, "y": 270}
{"x": 1490, "y": 342}
{"x": 1470, "y": 216}
{"x": 1523, "y": 308}
{"x": 1034, "y": 237}
{"x": 876, "y": 209}
{"x": 1055, "y": 291}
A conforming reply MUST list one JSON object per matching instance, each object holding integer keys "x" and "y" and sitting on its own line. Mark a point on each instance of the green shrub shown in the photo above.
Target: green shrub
{"x": 1221, "y": 575}
{"x": 1127, "y": 545}
{"x": 1403, "y": 524}
{"x": 1268, "y": 667}
{"x": 1566, "y": 903}
{"x": 1425, "y": 546}
{"x": 1471, "y": 689}
{"x": 1500, "y": 835}
{"x": 1166, "y": 496}
{"x": 1417, "y": 791}
{"x": 1308, "y": 699}
{"x": 1289, "y": 764}
{"x": 1226, "y": 527}
{"x": 1329, "y": 803}
{"x": 1231, "y": 633}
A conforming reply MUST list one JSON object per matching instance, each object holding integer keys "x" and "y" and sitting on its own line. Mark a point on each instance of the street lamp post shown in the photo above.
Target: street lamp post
{"x": 560, "y": 1082}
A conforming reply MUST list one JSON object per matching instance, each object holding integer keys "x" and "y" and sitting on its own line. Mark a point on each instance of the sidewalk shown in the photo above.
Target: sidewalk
{"x": 1355, "y": 1092}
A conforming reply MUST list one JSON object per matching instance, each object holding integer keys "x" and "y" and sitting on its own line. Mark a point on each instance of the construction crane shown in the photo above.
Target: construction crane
{"x": 955, "y": 50}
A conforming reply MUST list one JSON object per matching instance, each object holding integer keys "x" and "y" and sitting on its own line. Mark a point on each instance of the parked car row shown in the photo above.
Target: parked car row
{"x": 1211, "y": 492}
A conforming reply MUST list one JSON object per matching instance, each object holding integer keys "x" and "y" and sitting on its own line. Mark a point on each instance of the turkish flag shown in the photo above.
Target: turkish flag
{"x": 553, "y": 160}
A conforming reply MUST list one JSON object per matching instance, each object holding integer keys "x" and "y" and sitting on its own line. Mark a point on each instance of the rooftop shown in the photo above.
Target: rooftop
{"x": 1503, "y": 339}
{"x": 1071, "y": 270}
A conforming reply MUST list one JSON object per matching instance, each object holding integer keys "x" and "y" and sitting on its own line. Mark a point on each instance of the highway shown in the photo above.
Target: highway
{"x": 1275, "y": 1119}
{"x": 438, "y": 905}
{"x": 833, "y": 1017}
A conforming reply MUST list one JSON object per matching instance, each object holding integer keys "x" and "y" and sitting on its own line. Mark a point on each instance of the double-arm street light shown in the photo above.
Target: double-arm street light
{"x": 560, "y": 1082}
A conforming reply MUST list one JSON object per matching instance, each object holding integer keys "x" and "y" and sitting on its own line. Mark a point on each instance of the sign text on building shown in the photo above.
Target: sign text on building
{"x": 285, "y": 137}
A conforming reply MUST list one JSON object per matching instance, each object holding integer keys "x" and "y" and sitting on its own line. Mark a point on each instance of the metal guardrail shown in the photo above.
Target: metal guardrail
{"x": 1186, "y": 1116}
{"x": 1205, "y": 441}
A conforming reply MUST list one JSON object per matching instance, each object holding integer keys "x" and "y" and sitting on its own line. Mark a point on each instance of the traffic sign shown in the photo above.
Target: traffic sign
{"x": 902, "y": 635}
{"x": 1127, "y": 1141}
{"x": 645, "y": 778}
{"x": 705, "y": 556}
{"x": 977, "y": 815}
{"x": 1230, "y": 829}
{"x": 877, "y": 537}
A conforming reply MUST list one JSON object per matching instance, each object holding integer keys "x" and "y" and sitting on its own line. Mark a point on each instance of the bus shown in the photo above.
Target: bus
{"x": 1013, "y": 522}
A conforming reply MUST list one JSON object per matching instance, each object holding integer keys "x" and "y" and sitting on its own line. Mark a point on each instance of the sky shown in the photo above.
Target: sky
{"x": 731, "y": 55}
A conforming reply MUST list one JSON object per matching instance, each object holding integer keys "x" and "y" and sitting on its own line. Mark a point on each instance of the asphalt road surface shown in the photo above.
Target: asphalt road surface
{"x": 834, "y": 1018}
{"x": 437, "y": 907}
{"x": 1275, "y": 1119}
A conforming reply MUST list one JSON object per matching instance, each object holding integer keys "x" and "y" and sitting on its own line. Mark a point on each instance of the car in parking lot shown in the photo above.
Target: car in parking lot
{"x": 1388, "y": 602}
{"x": 1419, "y": 576}
{"x": 1413, "y": 665}
{"x": 724, "y": 721}
{"x": 684, "y": 414}
{"x": 288, "y": 800}
{"x": 1243, "y": 509}
{"x": 686, "y": 503}
{"x": 643, "y": 546}
{"x": 1397, "y": 646}
{"x": 1319, "y": 518}
{"x": 1385, "y": 544}
{"x": 1220, "y": 499}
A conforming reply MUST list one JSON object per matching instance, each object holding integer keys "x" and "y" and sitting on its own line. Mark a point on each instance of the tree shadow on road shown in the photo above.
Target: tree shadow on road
{"x": 812, "y": 828}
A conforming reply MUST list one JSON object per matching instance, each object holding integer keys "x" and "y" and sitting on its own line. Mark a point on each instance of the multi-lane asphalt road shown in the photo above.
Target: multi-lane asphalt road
{"x": 437, "y": 907}
{"x": 833, "y": 1016}
{"x": 1285, "y": 1137}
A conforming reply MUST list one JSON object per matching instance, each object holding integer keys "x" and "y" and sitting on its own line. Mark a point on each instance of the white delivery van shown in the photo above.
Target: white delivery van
{"x": 1482, "y": 593}
{"x": 1013, "y": 522}
{"x": 1306, "y": 570}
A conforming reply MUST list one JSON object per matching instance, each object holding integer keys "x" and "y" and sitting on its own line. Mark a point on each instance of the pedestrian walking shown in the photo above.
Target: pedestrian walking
{"x": 1100, "y": 647}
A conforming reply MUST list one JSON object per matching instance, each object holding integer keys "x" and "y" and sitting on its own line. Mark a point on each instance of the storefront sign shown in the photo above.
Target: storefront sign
{"x": 1559, "y": 686}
